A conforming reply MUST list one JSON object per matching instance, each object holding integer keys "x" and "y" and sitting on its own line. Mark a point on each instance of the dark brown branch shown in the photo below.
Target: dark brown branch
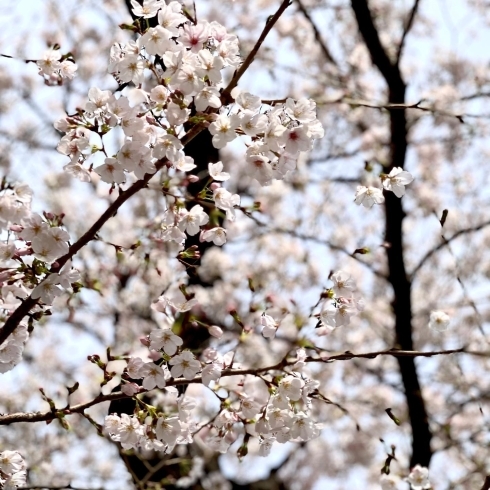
{"x": 12, "y": 418}
{"x": 486, "y": 484}
{"x": 225, "y": 95}
{"x": 17, "y": 316}
{"x": 406, "y": 30}
{"x": 403, "y": 106}
{"x": 394, "y": 215}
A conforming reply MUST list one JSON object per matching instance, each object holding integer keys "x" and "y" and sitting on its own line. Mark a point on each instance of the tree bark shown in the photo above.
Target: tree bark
{"x": 394, "y": 216}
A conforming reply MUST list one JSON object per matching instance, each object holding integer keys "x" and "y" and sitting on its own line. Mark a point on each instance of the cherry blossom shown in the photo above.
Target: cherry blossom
{"x": 343, "y": 284}
{"x": 419, "y": 478}
{"x": 269, "y": 325}
{"x": 439, "y": 321}
{"x": 216, "y": 172}
{"x": 185, "y": 364}
{"x": 368, "y": 196}
{"x": 191, "y": 221}
{"x": 396, "y": 181}
{"x": 165, "y": 339}
{"x": 216, "y": 235}
{"x": 223, "y": 130}
{"x": 226, "y": 201}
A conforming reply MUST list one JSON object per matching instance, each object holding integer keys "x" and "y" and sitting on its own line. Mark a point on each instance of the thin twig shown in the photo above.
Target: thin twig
{"x": 315, "y": 239}
{"x": 318, "y": 36}
{"x": 444, "y": 243}
{"x": 406, "y": 30}
{"x": 225, "y": 95}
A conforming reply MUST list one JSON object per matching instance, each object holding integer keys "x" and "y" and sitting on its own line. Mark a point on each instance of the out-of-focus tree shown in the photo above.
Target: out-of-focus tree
{"x": 320, "y": 298}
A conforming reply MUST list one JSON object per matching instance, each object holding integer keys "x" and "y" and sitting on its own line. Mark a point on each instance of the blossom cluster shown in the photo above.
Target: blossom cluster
{"x": 395, "y": 182}
{"x": 418, "y": 480}
{"x": 31, "y": 244}
{"x": 284, "y": 417}
{"x": 187, "y": 61}
{"x": 177, "y": 221}
{"x": 154, "y": 429}
{"x": 156, "y": 432}
{"x": 12, "y": 470}
{"x": 54, "y": 67}
{"x": 340, "y": 304}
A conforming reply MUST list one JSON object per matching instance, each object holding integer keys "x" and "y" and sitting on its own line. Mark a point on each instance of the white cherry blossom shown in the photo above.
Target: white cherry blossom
{"x": 226, "y": 201}
{"x": 216, "y": 235}
{"x": 368, "y": 196}
{"x": 216, "y": 172}
{"x": 191, "y": 221}
{"x": 396, "y": 181}
{"x": 185, "y": 364}
{"x": 165, "y": 339}
{"x": 439, "y": 321}
{"x": 419, "y": 478}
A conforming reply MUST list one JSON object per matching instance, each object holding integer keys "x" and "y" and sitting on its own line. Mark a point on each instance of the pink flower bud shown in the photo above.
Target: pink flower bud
{"x": 154, "y": 355}
{"x": 130, "y": 389}
{"x": 145, "y": 341}
{"x": 214, "y": 186}
{"x": 16, "y": 228}
{"x": 209, "y": 354}
{"x": 215, "y": 331}
{"x": 193, "y": 178}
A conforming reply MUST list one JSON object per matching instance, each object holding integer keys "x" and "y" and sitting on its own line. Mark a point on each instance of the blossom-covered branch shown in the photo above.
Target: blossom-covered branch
{"x": 325, "y": 357}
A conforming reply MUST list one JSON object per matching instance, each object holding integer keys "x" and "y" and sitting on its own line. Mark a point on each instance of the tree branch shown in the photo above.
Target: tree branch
{"x": 225, "y": 95}
{"x": 17, "y": 316}
{"x": 325, "y": 357}
{"x": 318, "y": 36}
{"x": 24, "y": 308}
{"x": 486, "y": 484}
{"x": 406, "y": 30}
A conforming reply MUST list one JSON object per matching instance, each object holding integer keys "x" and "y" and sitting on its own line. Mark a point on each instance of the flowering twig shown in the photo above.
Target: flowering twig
{"x": 24, "y": 308}
{"x": 48, "y": 416}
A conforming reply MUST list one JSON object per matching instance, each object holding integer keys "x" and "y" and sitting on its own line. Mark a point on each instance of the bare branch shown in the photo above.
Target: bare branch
{"x": 406, "y": 30}
{"x": 444, "y": 243}
{"x": 318, "y": 36}
{"x": 225, "y": 95}
{"x": 315, "y": 239}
